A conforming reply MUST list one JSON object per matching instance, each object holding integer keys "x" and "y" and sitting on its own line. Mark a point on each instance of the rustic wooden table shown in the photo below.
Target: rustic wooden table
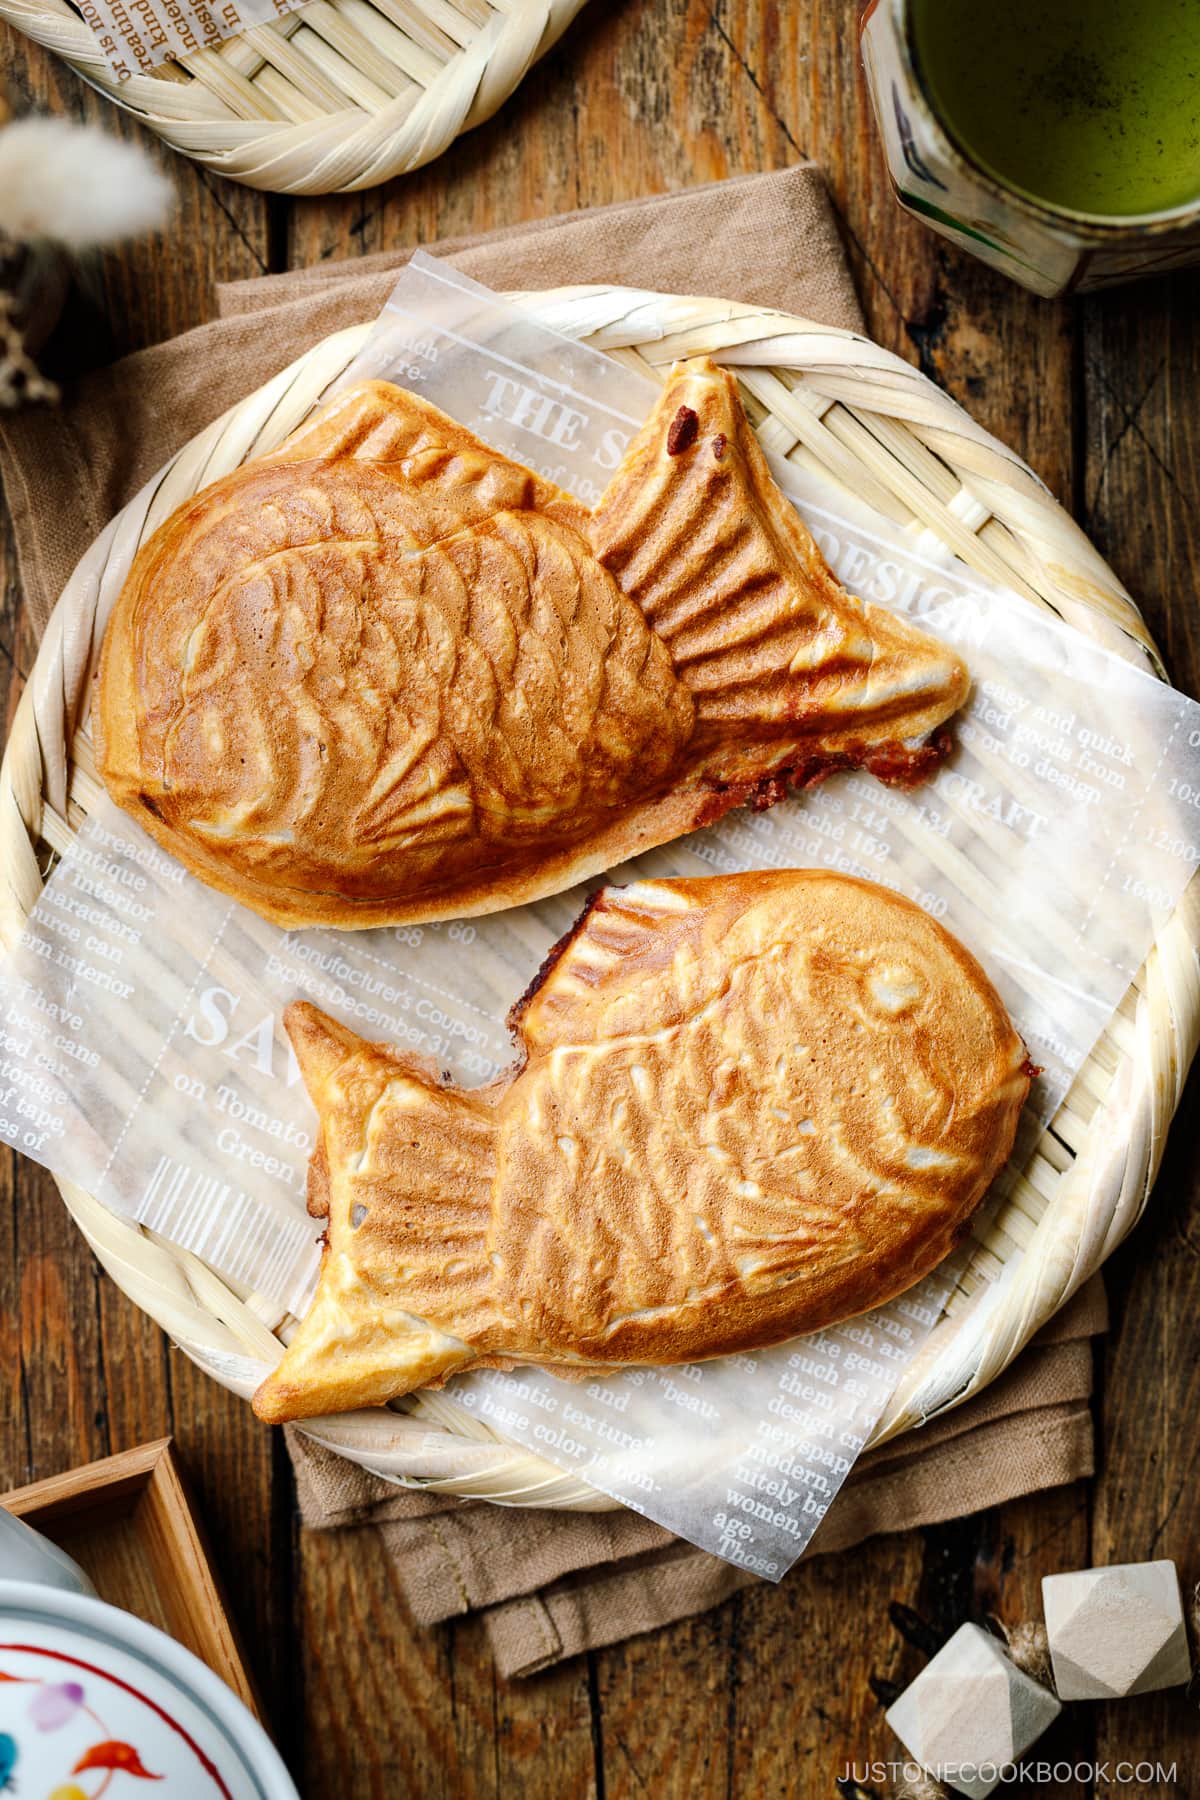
{"x": 777, "y": 1690}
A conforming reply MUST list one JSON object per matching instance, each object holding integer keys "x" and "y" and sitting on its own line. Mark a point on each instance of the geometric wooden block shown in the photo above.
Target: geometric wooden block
{"x": 1116, "y": 1631}
{"x": 971, "y": 1705}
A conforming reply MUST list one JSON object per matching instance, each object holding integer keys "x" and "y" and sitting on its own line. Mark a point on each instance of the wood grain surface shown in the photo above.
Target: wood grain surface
{"x": 130, "y": 1524}
{"x": 774, "y": 1693}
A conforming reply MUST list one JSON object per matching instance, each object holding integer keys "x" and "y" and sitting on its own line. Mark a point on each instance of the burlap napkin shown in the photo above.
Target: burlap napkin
{"x": 559, "y": 1583}
{"x": 550, "y": 1584}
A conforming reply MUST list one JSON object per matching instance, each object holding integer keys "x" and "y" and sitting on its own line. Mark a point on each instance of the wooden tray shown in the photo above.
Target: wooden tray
{"x": 130, "y": 1525}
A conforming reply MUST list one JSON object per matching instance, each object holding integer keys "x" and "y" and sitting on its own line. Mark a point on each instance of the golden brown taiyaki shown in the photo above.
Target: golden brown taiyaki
{"x": 386, "y": 674}
{"x": 746, "y": 1107}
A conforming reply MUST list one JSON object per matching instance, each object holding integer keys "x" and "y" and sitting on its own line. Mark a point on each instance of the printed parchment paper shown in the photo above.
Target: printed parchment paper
{"x": 141, "y": 1052}
{"x": 137, "y": 35}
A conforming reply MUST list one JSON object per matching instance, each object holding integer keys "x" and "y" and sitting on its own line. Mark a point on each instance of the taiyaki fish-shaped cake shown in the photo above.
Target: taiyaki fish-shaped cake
{"x": 386, "y": 674}
{"x": 747, "y": 1107}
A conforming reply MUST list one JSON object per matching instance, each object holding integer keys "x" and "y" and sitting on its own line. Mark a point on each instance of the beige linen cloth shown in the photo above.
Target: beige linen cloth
{"x": 552, "y": 1584}
{"x": 549, "y": 1584}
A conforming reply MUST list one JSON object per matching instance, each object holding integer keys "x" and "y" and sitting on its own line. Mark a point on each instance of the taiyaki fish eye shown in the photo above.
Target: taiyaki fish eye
{"x": 895, "y": 989}
{"x": 791, "y": 1166}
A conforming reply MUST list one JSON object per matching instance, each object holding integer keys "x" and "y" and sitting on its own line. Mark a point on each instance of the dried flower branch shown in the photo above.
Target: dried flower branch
{"x": 20, "y": 378}
{"x": 63, "y": 188}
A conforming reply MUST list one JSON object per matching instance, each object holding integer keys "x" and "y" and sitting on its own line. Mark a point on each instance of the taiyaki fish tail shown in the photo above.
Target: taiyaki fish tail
{"x": 746, "y": 1107}
{"x": 387, "y": 675}
{"x": 400, "y": 1279}
{"x": 789, "y": 673}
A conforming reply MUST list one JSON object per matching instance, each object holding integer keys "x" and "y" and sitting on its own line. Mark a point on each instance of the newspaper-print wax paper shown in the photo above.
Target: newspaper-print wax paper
{"x": 137, "y": 35}
{"x": 142, "y": 1053}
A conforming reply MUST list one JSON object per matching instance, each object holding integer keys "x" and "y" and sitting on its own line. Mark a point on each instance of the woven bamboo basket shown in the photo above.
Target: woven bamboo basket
{"x": 830, "y": 401}
{"x": 337, "y": 96}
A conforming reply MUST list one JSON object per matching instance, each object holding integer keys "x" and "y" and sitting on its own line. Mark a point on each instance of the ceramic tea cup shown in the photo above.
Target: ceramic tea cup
{"x": 94, "y": 1701}
{"x": 1061, "y": 55}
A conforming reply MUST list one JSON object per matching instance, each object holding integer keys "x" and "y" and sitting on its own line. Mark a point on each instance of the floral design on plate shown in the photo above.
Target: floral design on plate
{"x": 96, "y": 1757}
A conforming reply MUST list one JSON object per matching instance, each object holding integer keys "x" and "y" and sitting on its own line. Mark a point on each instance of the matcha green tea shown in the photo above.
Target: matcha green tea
{"x": 1091, "y": 105}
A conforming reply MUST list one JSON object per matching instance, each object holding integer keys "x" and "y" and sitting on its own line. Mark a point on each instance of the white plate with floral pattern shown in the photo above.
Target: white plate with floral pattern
{"x": 94, "y": 1702}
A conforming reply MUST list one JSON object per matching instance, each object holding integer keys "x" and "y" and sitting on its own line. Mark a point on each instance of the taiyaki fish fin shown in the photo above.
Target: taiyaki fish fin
{"x": 321, "y": 1046}
{"x": 347, "y": 1355}
{"x": 376, "y": 422}
{"x": 773, "y": 649}
{"x": 404, "y": 1173}
{"x": 423, "y": 447}
{"x": 588, "y": 987}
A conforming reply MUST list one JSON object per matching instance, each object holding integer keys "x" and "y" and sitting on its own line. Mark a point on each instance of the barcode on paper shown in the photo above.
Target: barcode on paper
{"x": 229, "y": 1229}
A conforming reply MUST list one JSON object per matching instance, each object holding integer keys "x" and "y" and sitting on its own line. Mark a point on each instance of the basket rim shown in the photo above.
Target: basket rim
{"x": 1109, "y": 1164}
{"x": 209, "y": 107}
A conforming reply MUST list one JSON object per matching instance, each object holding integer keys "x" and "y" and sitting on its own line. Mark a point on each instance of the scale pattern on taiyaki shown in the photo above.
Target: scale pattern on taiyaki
{"x": 748, "y": 1106}
{"x": 388, "y": 674}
